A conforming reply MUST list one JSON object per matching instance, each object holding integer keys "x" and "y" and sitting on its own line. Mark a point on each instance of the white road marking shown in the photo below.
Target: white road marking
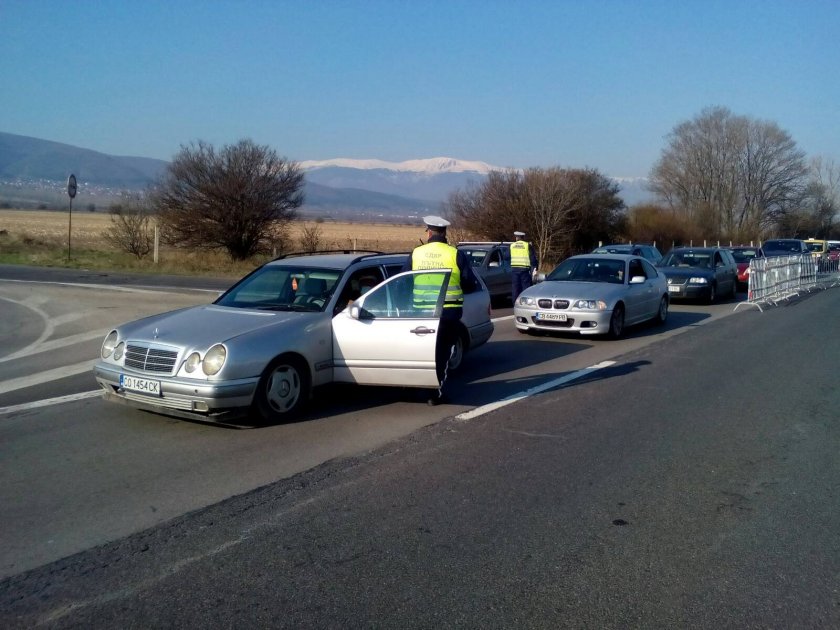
{"x": 45, "y": 377}
{"x": 480, "y": 411}
{"x": 49, "y": 401}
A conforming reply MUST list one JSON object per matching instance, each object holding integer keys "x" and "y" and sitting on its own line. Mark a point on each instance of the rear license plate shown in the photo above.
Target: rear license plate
{"x": 142, "y": 385}
{"x": 673, "y": 289}
{"x": 553, "y": 317}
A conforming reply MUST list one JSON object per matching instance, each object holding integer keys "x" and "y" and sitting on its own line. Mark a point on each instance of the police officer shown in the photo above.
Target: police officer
{"x": 437, "y": 253}
{"x": 523, "y": 262}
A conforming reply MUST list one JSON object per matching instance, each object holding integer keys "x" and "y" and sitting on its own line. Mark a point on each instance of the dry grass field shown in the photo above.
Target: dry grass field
{"x": 40, "y": 237}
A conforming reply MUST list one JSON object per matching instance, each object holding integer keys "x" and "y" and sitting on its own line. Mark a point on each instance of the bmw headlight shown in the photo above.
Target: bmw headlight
{"x": 192, "y": 362}
{"x": 527, "y": 301}
{"x": 214, "y": 360}
{"x": 591, "y": 305}
{"x": 698, "y": 280}
{"x": 109, "y": 344}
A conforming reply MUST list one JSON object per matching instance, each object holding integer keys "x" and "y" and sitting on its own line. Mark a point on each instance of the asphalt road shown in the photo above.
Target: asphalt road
{"x": 692, "y": 484}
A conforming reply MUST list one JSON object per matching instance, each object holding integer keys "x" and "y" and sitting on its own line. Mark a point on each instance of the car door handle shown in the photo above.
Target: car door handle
{"x": 422, "y": 330}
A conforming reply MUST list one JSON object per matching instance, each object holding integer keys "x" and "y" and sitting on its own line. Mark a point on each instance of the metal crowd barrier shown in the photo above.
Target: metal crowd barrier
{"x": 773, "y": 280}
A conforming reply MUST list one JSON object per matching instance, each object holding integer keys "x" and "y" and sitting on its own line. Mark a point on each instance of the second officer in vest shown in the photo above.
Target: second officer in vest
{"x": 523, "y": 262}
{"x": 437, "y": 253}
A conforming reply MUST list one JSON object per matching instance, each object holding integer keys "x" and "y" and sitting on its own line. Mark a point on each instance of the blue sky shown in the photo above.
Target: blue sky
{"x": 519, "y": 84}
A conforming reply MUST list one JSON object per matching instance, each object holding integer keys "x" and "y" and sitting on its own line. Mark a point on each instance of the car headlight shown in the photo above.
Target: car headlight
{"x": 527, "y": 301}
{"x": 118, "y": 351}
{"x": 214, "y": 360}
{"x": 109, "y": 344}
{"x": 591, "y": 305}
{"x": 698, "y": 280}
{"x": 192, "y": 362}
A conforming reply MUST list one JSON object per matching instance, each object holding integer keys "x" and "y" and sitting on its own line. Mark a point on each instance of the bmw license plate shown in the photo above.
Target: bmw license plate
{"x": 142, "y": 385}
{"x": 552, "y": 317}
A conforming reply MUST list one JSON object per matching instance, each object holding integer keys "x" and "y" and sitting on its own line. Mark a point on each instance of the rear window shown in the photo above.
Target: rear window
{"x": 744, "y": 255}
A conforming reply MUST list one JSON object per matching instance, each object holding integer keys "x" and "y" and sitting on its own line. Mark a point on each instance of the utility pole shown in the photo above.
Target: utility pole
{"x": 71, "y": 191}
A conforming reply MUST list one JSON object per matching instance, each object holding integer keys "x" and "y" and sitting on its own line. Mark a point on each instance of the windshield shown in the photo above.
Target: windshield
{"x": 283, "y": 288}
{"x": 818, "y": 247}
{"x": 589, "y": 270}
{"x": 786, "y": 247}
{"x": 687, "y": 258}
{"x": 744, "y": 255}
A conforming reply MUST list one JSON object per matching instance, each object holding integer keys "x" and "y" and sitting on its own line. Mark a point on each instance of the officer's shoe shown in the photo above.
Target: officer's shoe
{"x": 435, "y": 399}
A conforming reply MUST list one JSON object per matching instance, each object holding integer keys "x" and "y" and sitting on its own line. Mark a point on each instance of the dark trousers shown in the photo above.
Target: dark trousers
{"x": 446, "y": 338}
{"x": 520, "y": 280}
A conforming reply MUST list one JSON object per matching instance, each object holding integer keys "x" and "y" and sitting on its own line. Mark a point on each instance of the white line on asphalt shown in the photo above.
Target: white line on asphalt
{"x": 49, "y": 401}
{"x": 480, "y": 411}
{"x": 45, "y": 377}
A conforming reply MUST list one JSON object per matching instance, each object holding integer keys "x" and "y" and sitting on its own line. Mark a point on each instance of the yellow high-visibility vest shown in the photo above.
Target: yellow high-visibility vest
{"x": 520, "y": 255}
{"x": 427, "y": 287}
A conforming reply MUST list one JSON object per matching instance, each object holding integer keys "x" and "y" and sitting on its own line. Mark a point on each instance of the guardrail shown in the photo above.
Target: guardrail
{"x": 779, "y": 278}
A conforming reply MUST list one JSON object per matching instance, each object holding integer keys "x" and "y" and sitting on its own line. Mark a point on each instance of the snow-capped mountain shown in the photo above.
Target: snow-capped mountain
{"x": 429, "y": 179}
{"x": 430, "y": 166}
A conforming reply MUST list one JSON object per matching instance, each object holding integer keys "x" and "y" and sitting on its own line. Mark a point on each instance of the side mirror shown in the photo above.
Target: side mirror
{"x": 355, "y": 310}
{"x": 493, "y": 264}
{"x": 637, "y": 280}
{"x": 539, "y": 276}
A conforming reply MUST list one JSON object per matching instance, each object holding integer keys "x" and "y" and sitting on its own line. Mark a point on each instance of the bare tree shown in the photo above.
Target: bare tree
{"x": 554, "y": 207}
{"x": 733, "y": 175}
{"x": 240, "y": 198}
{"x": 310, "y": 237}
{"x": 131, "y": 230}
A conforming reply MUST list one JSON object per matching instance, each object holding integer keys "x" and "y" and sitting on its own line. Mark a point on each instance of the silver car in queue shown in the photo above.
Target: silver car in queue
{"x": 290, "y": 326}
{"x": 594, "y": 294}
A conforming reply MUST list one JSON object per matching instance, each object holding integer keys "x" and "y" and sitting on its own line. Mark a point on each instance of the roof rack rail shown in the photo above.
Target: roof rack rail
{"x": 330, "y": 251}
{"x": 484, "y": 242}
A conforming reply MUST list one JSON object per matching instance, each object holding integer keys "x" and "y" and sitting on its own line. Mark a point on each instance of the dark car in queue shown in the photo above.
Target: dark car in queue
{"x": 743, "y": 255}
{"x": 491, "y": 261}
{"x": 785, "y": 247}
{"x": 649, "y": 252}
{"x": 700, "y": 273}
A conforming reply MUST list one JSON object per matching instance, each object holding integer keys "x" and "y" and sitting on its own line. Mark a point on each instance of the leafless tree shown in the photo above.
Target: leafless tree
{"x": 311, "y": 237}
{"x": 731, "y": 174}
{"x": 132, "y": 229}
{"x": 240, "y": 198}
{"x": 554, "y": 207}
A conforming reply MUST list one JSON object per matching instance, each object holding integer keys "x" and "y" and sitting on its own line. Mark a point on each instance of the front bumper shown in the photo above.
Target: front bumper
{"x": 582, "y": 322}
{"x": 179, "y": 396}
{"x": 689, "y": 291}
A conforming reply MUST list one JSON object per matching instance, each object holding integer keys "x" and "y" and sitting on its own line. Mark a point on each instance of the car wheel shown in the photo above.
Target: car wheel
{"x": 457, "y": 356}
{"x": 662, "y": 313}
{"x": 617, "y": 322}
{"x": 712, "y": 293}
{"x": 283, "y": 390}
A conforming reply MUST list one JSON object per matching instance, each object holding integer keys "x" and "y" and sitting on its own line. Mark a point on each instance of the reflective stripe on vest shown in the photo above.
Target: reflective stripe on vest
{"x": 519, "y": 255}
{"x": 427, "y": 287}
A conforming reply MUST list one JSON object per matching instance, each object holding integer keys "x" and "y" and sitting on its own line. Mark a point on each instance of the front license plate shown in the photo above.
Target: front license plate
{"x": 673, "y": 289}
{"x": 553, "y": 317}
{"x": 142, "y": 385}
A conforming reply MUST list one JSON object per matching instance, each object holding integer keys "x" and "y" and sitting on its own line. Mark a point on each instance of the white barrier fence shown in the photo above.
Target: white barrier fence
{"x": 780, "y": 278}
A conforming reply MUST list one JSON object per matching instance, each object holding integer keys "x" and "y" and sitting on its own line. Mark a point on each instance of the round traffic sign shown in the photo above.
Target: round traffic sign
{"x": 71, "y": 186}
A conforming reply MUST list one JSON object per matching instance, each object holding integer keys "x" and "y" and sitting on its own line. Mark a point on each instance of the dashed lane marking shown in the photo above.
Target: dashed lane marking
{"x": 480, "y": 411}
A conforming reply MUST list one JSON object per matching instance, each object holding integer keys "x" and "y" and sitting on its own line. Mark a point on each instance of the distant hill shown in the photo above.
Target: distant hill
{"x": 35, "y": 171}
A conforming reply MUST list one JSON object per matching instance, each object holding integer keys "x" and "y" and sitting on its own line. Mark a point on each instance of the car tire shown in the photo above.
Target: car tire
{"x": 457, "y": 357}
{"x": 283, "y": 390}
{"x": 662, "y": 313}
{"x": 712, "y": 293}
{"x": 617, "y": 322}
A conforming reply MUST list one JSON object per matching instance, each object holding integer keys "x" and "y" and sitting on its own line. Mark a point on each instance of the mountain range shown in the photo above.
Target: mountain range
{"x": 35, "y": 171}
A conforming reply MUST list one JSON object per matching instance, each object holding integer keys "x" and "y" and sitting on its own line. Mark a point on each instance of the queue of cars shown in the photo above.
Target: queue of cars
{"x": 291, "y": 325}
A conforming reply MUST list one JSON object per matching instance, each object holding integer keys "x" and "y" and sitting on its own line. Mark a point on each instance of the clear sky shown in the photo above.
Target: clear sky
{"x": 595, "y": 84}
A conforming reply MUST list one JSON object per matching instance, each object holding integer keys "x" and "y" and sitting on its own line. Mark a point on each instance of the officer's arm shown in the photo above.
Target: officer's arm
{"x": 469, "y": 283}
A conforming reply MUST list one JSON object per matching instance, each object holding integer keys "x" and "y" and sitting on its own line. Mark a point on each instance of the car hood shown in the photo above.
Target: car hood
{"x": 570, "y": 289}
{"x": 203, "y": 326}
{"x": 686, "y": 272}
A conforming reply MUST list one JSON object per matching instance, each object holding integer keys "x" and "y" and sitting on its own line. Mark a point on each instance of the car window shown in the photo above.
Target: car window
{"x": 276, "y": 287}
{"x": 359, "y": 282}
{"x": 495, "y": 259}
{"x": 650, "y": 270}
{"x": 718, "y": 260}
{"x": 636, "y": 269}
{"x": 589, "y": 270}
{"x": 412, "y": 295}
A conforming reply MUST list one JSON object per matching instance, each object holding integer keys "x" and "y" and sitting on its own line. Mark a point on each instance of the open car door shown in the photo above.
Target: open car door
{"x": 387, "y": 338}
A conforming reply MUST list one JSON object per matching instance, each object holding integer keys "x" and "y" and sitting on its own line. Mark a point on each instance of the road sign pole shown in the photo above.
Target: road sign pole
{"x": 71, "y": 192}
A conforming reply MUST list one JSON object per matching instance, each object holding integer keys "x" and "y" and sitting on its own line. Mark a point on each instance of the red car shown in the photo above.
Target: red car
{"x": 743, "y": 255}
